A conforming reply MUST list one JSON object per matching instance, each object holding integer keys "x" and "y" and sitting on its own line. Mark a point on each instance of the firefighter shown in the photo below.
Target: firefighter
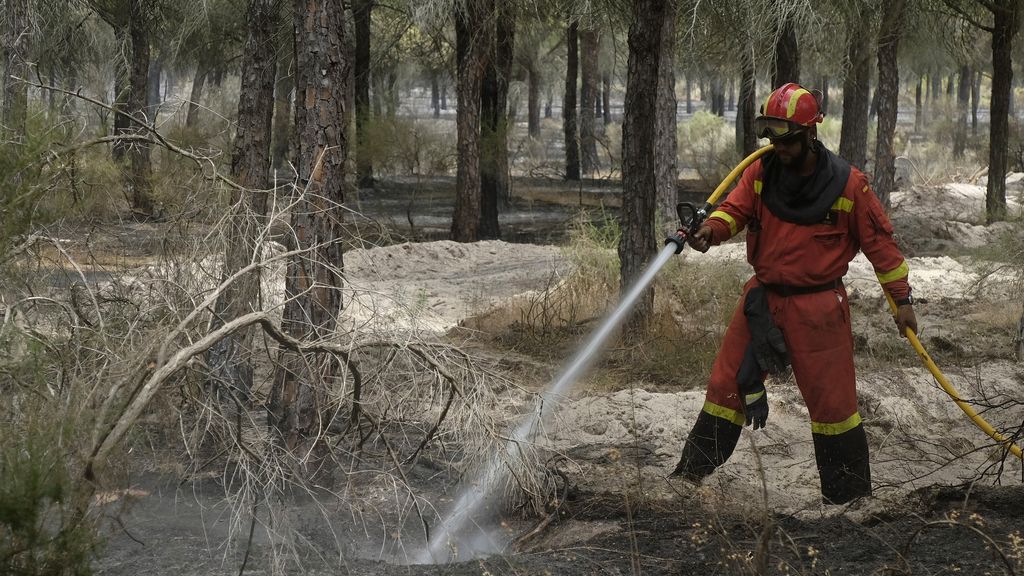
{"x": 806, "y": 213}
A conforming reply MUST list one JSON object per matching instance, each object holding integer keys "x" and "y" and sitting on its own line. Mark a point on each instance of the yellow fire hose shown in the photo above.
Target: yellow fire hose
{"x": 980, "y": 422}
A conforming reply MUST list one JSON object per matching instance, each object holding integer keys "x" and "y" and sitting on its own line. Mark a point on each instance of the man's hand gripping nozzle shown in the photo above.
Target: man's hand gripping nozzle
{"x": 690, "y": 217}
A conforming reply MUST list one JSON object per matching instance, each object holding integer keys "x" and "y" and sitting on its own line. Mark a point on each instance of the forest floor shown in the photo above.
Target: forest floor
{"x": 946, "y": 500}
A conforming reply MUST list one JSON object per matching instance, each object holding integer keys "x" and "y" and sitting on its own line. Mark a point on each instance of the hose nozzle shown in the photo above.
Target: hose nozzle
{"x": 679, "y": 239}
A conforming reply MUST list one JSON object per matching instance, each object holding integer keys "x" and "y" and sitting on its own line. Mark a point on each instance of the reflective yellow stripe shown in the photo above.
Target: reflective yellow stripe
{"x": 757, "y": 186}
{"x": 837, "y": 428}
{"x": 793, "y": 99}
{"x": 729, "y": 219}
{"x": 843, "y": 204}
{"x": 751, "y": 398}
{"x": 724, "y": 413}
{"x": 894, "y": 274}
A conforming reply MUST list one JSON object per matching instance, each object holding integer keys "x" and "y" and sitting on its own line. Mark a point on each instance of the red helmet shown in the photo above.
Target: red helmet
{"x": 789, "y": 109}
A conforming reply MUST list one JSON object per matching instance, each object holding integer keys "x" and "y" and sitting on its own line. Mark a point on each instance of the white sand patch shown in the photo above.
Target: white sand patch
{"x": 432, "y": 286}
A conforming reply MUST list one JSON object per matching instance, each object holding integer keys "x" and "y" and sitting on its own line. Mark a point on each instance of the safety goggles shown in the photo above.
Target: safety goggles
{"x": 775, "y": 128}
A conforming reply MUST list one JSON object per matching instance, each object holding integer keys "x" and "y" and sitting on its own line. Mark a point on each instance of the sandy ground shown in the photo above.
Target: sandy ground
{"x": 626, "y": 442}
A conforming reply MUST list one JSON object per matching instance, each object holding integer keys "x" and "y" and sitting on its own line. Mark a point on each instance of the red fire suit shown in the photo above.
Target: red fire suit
{"x": 801, "y": 266}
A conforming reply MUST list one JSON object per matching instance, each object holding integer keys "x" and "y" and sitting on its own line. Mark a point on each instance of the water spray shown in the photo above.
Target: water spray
{"x": 459, "y": 534}
{"x": 457, "y": 528}
{"x": 451, "y": 534}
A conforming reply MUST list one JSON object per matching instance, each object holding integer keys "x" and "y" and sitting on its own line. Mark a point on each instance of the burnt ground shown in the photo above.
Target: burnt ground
{"x": 159, "y": 524}
{"x": 938, "y": 530}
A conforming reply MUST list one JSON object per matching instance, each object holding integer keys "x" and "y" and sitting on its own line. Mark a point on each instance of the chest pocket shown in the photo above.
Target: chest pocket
{"x": 829, "y": 238}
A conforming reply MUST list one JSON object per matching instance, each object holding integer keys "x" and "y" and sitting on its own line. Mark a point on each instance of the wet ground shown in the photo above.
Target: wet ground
{"x": 159, "y": 524}
{"x": 183, "y": 530}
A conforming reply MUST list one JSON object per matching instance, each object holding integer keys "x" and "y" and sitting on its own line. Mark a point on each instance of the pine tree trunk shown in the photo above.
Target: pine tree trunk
{"x": 745, "y": 115}
{"x": 196, "y": 94}
{"x": 606, "y": 97}
{"x": 229, "y": 360}
{"x": 1005, "y": 24}
{"x": 361, "y": 14}
{"x": 122, "y": 91}
{"x": 824, "y": 94}
{"x": 16, "y": 37}
{"x": 888, "y": 98}
{"x": 853, "y": 137}
{"x": 639, "y": 183}
{"x": 666, "y": 140}
{"x": 314, "y": 278}
{"x": 588, "y": 92}
{"x": 435, "y": 94}
{"x": 471, "y": 59}
{"x": 569, "y": 128}
{"x": 494, "y": 121}
{"x": 975, "y": 96}
{"x": 533, "y": 101}
{"x": 138, "y": 182}
{"x": 787, "y": 57}
{"x": 919, "y": 105}
{"x": 153, "y": 99}
{"x": 963, "y": 95}
{"x": 284, "y": 90}
{"x": 689, "y": 95}
{"x": 391, "y": 75}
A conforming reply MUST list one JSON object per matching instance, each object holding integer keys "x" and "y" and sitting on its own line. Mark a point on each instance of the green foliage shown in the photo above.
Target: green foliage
{"x": 828, "y": 132}
{"x": 692, "y": 308}
{"x": 408, "y": 147}
{"x": 707, "y": 145}
{"x": 42, "y": 531}
{"x": 26, "y": 179}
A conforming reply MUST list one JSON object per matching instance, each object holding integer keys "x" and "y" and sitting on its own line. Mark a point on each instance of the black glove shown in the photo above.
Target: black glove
{"x": 765, "y": 337}
{"x": 751, "y": 386}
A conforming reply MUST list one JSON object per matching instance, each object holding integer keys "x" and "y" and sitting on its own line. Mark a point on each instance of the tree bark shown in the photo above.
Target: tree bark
{"x": 689, "y": 94}
{"x": 230, "y": 360}
{"x": 963, "y": 96}
{"x": 745, "y": 135}
{"x": 533, "y": 100}
{"x": 154, "y": 98}
{"x": 588, "y": 92}
{"x": 606, "y": 97}
{"x": 569, "y": 128}
{"x": 787, "y": 56}
{"x": 888, "y": 98}
{"x": 666, "y": 140}
{"x": 494, "y": 121}
{"x": 314, "y": 278}
{"x": 975, "y": 96}
{"x": 196, "y": 94}
{"x": 361, "y": 14}
{"x": 853, "y": 137}
{"x": 138, "y": 182}
{"x": 717, "y": 96}
{"x": 918, "y": 105}
{"x": 122, "y": 91}
{"x": 638, "y": 243}
{"x": 471, "y": 57}
{"x": 16, "y": 44}
{"x": 435, "y": 93}
{"x": 284, "y": 91}
{"x": 824, "y": 94}
{"x": 1006, "y": 22}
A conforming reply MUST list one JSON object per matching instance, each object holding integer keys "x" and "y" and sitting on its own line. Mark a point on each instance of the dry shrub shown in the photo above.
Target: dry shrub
{"x": 692, "y": 307}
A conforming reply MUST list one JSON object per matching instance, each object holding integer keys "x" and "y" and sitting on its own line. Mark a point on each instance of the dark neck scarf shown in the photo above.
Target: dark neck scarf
{"x": 804, "y": 199}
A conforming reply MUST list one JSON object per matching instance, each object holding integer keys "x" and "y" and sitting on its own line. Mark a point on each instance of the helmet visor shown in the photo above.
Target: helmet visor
{"x": 775, "y": 128}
